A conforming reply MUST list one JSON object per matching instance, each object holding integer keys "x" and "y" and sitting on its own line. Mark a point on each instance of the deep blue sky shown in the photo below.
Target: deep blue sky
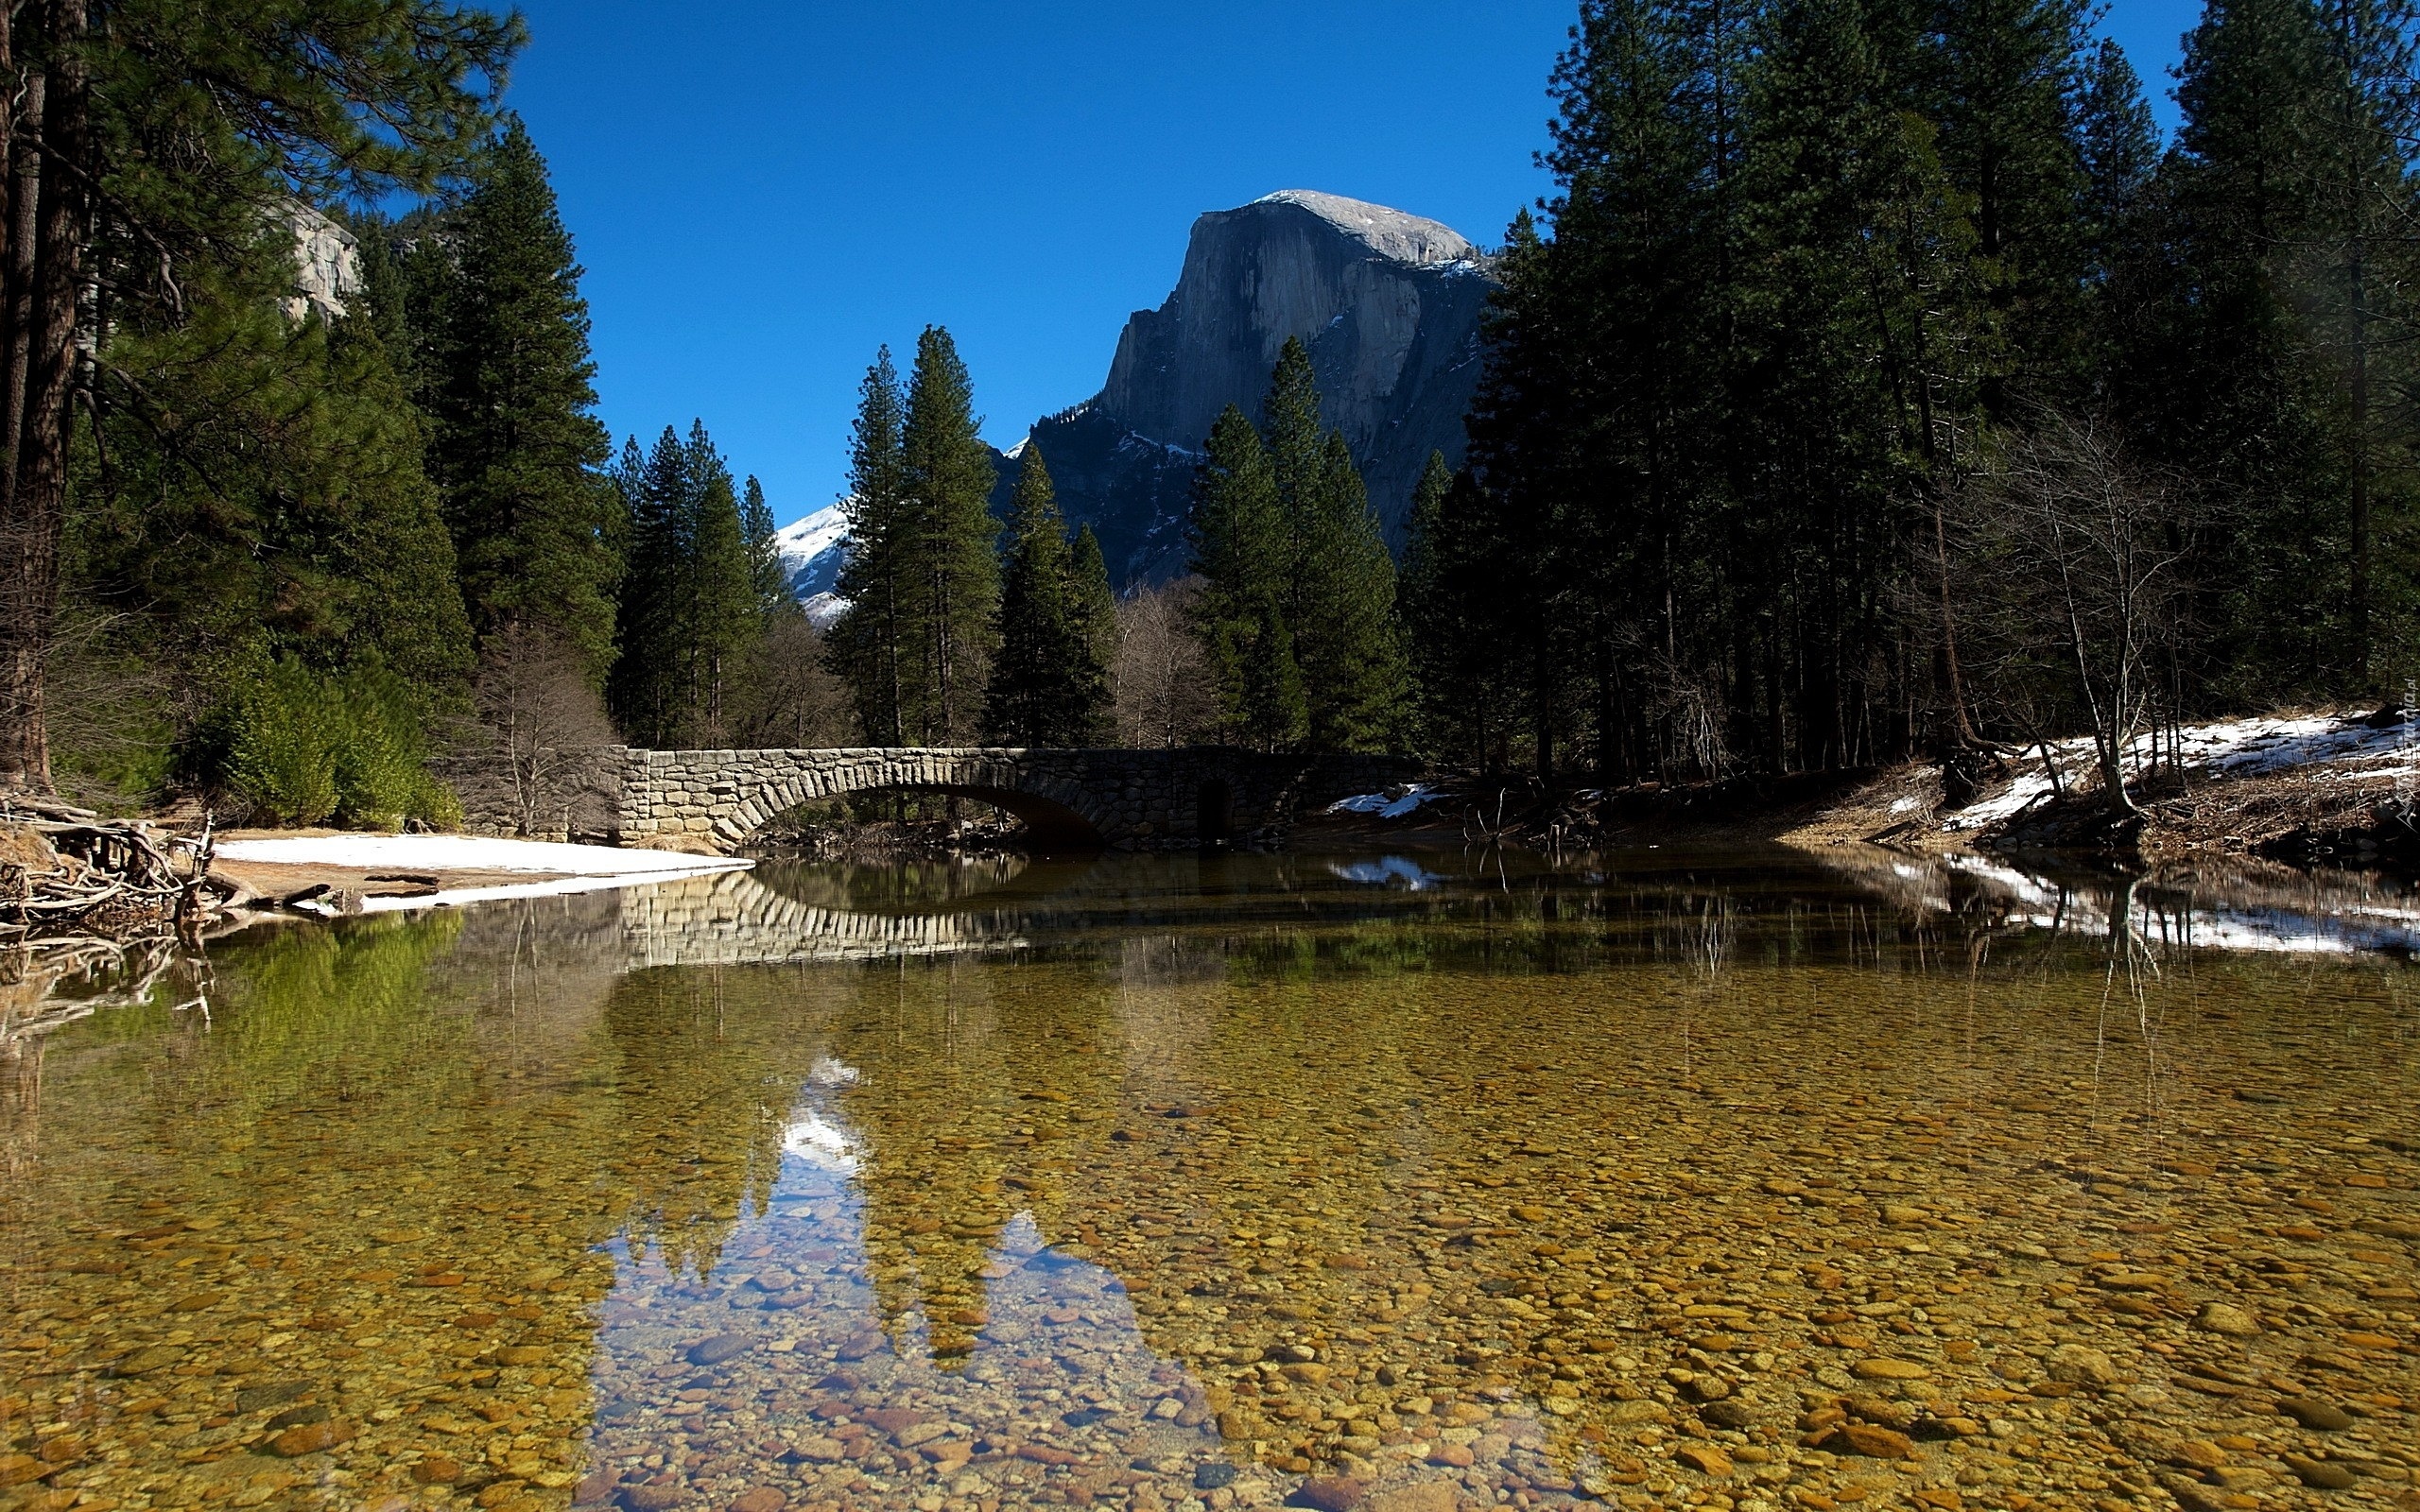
{"x": 763, "y": 193}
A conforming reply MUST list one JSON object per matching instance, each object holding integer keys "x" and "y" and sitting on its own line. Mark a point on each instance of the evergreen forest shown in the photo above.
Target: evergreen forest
{"x": 1876, "y": 382}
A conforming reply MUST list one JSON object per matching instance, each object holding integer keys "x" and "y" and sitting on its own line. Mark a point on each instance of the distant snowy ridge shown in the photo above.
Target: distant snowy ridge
{"x": 813, "y": 552}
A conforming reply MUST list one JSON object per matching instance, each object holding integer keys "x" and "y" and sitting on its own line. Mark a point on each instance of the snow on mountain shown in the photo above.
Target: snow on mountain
{"x": 813, "y": 552}
{"x": 1391, "y": 306}
{"x": 1414, "y": 239}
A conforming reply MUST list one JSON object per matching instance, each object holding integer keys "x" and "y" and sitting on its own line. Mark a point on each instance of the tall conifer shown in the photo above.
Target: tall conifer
{"x": 647, "y": 690}
{"x": 1243, "y": 555}
{"x": 1336, "y": 586}
{"x": 1048, "y": 682}
{"x": 868, "y": 646}
{"x": 2237, "y": 383}
{"x": 1097, "y": 616}
{"x": 766, "y": 574}
{"x": 955, "y": 574}
{"x": 516, "y": 449}
{"x": 723, "y": 614}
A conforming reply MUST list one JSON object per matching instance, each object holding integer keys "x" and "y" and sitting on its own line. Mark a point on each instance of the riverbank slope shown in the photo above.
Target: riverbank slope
{"x": 2332, "y": 786}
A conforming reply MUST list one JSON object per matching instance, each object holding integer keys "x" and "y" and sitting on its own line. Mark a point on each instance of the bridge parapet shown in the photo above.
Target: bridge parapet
{"x": 1069, "y": 799}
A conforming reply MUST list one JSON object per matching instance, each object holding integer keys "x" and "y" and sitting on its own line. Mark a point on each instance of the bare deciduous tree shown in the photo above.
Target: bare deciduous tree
{"x": 541, "y": 728}
{"x": 1160, "y": 682}
{"x": 793, "y": 701}
{"x": 2078, "y": 558}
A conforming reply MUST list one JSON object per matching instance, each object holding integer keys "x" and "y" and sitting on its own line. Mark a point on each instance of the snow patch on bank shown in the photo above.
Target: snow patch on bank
{"x": 467, "y": 852}
{"x": 1387, "y": 806}
{"x": 2236, "y": 748}
{"x": 557, "y": 871}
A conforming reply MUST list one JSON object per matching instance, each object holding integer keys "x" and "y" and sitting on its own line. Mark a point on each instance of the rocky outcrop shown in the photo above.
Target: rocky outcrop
{"x": 1391, "y": 306}
{"x": 327, "y": 266}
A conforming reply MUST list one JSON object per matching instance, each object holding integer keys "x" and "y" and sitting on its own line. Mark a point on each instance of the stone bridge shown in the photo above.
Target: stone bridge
{"x": 1069, "y": 799}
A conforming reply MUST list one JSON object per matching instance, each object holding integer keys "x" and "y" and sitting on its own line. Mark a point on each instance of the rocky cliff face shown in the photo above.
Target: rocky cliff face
{"x": 327, "y": 266}
{"x": 1390, "y": 306}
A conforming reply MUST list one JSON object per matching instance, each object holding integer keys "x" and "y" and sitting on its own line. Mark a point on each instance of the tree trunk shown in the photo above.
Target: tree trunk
{"x": 35, "y": 510}
{"x": 2360, "y": 459}
{"x": 1961, "y": 730}
{"x": 24, "y": 234}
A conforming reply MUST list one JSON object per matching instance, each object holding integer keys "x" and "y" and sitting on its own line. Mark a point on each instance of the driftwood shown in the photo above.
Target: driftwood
{"x": 71, "y": 881}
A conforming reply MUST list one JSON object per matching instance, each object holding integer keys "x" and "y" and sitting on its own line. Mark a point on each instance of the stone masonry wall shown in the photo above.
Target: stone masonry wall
{"x": 1128, "y": 800}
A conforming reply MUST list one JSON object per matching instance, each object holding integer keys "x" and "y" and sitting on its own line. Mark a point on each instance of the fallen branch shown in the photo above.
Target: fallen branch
{"x": 70, "y": 874}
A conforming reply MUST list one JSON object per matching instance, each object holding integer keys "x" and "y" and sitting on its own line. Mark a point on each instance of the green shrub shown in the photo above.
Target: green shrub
{"x": 282, "y": 753}
{"x": 306, "y": 748}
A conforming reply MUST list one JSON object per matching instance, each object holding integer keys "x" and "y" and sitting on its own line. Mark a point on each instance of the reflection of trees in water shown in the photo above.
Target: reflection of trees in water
{"x": 2134, "y": 923}
{"x": 982, "y": 1092}
{"x": 20, "y": 1106}
{"x": 708, "y": 1066}
{"x": 44, "y": 992}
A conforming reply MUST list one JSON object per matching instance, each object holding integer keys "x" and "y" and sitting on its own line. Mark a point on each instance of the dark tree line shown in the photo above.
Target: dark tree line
{"x": 323, "y": 493}
{"x": 1296, "y": 615}
{"x": 961, "y": 627}
{"x": 1833, "y": 291}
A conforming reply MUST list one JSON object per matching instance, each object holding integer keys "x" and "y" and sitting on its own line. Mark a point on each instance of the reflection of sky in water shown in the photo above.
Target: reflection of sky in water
{"x": 788, "y": 1366}
{"x": 1388, "y": 872}
{"x": 815, "y": 1134}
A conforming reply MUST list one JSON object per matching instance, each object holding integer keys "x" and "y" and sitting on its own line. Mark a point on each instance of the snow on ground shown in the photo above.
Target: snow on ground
{"x": 1386, "y": 807}
{"x": 557, "y": 869}
{"x": 2237, "y": 748}
{"x": 466, "y": 852}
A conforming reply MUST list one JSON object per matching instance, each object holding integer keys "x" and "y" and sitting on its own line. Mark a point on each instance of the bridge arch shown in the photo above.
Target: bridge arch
{"x": 1054, "y": 810}
{"x": 1070, "y": 801}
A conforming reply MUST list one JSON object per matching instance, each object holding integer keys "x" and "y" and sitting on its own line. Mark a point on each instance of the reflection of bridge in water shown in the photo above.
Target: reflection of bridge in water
{"x": 735, "y": 919}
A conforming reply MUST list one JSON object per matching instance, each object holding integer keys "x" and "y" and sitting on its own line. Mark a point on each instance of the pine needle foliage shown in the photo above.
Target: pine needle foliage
{"x": 517, "y": 451}
{"x": 1049, "y": 684}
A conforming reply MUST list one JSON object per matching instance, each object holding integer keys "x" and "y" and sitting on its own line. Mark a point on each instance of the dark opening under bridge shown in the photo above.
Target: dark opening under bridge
{"x": 1069, "y": 799}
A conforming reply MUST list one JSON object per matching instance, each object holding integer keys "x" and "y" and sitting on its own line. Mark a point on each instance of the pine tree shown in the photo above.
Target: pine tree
{"x": 2372, "y": 119}
{"x": 146, "y": 150}
{"x": 1854, "y": 247}
{"x": 1359, "y": 682}
{"x": 1048, "y": 682}
{"x": 647, "y": 691}
{"x": 1337, "y": 592}
{"x": 1241, "y": 552}
{"x": 723, "y": 614}
{"x": 952, "y": 567}
{"x": 1432, "y": 629}
{"x": 516, "y": 448}
{"x": 2233, "y": 383}
{"x": 2001, "y": 75}
{"x": 1513, "y": 533}
{"x": 1633, "y": 299}
{"x": 1097, "y": 616}
{"x": 765, "y": 573}
{"x": 866, "y": 647}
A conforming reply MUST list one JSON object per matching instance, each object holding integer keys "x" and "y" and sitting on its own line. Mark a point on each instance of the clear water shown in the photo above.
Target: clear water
{"x": 1428, "y": 1181}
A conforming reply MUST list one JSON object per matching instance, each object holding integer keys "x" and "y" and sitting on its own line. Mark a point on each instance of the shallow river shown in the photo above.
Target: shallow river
{"x": 1414, "y": 1181}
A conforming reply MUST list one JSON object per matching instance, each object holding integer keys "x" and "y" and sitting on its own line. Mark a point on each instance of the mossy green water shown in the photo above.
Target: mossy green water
{"x": 1721, "y": 1184}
